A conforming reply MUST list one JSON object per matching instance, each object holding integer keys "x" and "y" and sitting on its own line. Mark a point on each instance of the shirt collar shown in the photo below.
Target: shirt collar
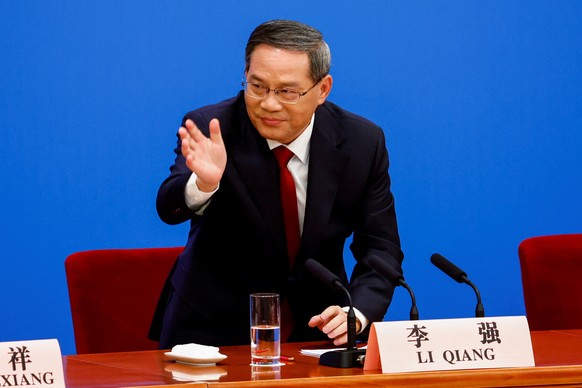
{"x": 299, "y": 146}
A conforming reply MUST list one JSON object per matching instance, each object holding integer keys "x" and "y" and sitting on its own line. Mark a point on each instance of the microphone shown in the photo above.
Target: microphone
{"x": 351, "y": 356}
{"x": 460, "y": 276}
{"x": 324, "y": 275}
{"x": 394, "y": 276}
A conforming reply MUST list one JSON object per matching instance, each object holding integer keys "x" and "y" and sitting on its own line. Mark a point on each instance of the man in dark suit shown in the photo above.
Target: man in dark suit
{"x": 225, "y": 181}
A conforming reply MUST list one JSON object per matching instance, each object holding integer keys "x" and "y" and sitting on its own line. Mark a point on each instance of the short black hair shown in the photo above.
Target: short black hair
{"x": 293, "y": 36}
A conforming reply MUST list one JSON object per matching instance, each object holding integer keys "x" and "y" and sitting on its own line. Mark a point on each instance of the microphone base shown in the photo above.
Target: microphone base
{"x": 348, "y": 358}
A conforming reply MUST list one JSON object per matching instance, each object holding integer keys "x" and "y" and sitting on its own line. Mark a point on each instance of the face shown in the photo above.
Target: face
{"x": 277, "y": 68}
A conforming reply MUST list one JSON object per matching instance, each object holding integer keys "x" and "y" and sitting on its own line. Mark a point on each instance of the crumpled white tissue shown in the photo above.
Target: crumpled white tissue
{"x": 196, "y": 350}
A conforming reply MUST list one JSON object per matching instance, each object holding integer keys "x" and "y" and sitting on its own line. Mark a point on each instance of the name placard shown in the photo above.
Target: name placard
{"x": 447, "y": 344}
{"x": 31, "y": 363}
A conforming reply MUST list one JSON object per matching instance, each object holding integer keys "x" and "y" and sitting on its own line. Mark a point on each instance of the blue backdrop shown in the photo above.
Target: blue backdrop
{"x": 481, "y": 103}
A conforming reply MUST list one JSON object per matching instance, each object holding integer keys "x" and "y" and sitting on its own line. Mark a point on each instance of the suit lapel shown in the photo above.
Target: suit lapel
{"x": 254, "y": 172}
{"x": 326, "y": 166}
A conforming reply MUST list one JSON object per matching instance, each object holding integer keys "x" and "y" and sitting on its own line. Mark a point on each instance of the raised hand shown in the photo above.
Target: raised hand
{"x": 206, "y": 157}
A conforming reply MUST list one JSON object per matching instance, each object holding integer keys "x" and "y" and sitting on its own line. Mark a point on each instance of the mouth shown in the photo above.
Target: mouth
{"x": 271, "y": 121}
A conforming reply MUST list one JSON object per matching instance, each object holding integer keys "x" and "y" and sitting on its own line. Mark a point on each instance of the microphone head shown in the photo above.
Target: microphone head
{"x": 324, "y": 275}
{"x": 385, "y": 269}
{"x": 389, "y": 272}
{"x": 449, "y": 268}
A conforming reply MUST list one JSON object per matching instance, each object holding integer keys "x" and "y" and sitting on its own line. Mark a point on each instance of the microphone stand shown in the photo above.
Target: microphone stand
{"x": 387, "y": 271}
{"x": 479, "y": 309}
{"x": 351, "y": 356}
{"x": 413, "y": 309}
{"x": 459, "y": 276}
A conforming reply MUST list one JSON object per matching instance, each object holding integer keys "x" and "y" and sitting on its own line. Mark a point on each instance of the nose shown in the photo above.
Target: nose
{"x": 270, "y": 102}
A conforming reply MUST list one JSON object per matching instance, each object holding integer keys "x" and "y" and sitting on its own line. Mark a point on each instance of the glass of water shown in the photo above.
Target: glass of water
{"x": 265, "y": 329}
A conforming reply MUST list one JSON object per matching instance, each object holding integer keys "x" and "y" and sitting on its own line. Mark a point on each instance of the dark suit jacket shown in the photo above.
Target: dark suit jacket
{"x": 238, "y": 245}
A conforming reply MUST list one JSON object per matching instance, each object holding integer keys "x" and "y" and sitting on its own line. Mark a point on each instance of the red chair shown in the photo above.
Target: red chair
{"x": 551, "y": 272}
{"x": 113, "y": 295}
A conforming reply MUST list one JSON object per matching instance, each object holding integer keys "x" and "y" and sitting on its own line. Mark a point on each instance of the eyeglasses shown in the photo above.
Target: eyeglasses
{"x": 285, "y": 95}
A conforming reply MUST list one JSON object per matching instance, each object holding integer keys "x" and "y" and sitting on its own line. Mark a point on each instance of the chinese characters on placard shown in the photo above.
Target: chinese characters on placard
{"x": 19, "y": 356}
{"x": 20, "y": 359}
{"x": 488, "y": 333}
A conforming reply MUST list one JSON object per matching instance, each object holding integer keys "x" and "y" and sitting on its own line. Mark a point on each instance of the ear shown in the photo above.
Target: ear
{"x": 324, "y": 88}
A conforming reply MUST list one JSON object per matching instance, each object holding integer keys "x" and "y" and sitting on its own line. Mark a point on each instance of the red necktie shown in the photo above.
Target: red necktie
{"x": 289, "y": 202}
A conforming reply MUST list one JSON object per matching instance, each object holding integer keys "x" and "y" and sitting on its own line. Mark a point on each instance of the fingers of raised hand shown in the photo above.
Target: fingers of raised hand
{"x": 192, "y": 138}
{"x": 215, "y": 134}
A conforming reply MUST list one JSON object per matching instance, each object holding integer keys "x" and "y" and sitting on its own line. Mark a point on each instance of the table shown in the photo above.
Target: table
{"x": 558, "y": 359}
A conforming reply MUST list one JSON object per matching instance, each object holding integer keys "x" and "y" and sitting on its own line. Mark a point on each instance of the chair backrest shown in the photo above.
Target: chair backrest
{"x": 551, "y": 273}
{"x": 113, "y": 295}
